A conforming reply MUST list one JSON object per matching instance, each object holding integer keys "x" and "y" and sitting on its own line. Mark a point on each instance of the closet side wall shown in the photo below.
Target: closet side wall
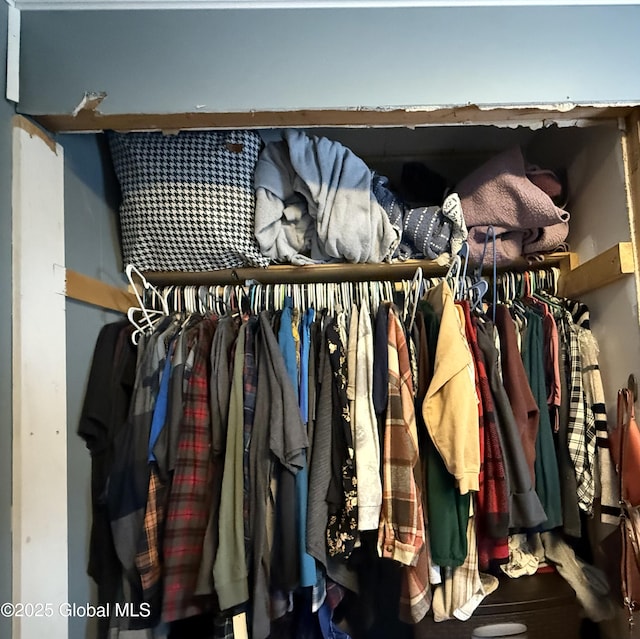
{"x": 245, "y": 60}
{"x": 6, "y": 113}
{"x": 91, "y": 248}
{"x": 593, "y": 157}
{"x": 601, "y": 220}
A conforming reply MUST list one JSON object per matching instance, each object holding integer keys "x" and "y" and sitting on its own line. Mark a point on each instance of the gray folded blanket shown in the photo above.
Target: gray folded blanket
{"x": 524, "y": 217}
{"x": 427, "y": 231}
{"x": 434, "y": 230}
{"x": 314, "y": 203}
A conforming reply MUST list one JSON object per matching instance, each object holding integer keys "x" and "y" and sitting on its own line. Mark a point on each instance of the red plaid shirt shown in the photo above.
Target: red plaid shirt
{"x": 492, "y": 499}
{"x": 189, "y": 499}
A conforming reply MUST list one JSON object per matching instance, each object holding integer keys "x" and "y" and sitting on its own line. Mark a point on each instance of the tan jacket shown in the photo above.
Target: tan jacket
{"x": 450, "y": 408}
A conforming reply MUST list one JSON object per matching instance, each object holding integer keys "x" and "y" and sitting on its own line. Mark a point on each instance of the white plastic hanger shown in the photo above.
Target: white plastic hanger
{"x": 150, "y": 316}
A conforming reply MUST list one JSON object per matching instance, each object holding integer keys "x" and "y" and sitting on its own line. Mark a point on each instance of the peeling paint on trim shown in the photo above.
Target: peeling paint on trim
{"x": 90, "y": 102}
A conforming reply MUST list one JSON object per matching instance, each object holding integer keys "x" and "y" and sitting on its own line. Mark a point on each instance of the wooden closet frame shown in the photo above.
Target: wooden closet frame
{"x": 576, "y": 279}
{"x": 41, "y": 282}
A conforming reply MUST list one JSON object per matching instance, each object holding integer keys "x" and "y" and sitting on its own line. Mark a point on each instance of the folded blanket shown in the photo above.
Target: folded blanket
{"x": 314, "y": 202}
{"x": 525, "y": 219}
{"x": 427, "y": 231}
{"x": 434, "y": 230}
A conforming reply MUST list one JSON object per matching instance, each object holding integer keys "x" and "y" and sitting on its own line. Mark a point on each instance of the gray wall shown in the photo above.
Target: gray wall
{"x": 89, "y": 206}
{"x": 238, "y": 60}
{"x": 156, "y": 62}
{"x": 6, "y": 113}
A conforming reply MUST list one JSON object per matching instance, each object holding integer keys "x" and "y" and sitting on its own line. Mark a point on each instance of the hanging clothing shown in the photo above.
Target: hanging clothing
{"x": 546, "y": 464}
{"x": 607, "y": 482}
{"x": 250, "y": 383}
{"x": 267, "y": 442}
{"x": 342, "y": 527}
{"x": 381, "y": 370}
{"x": 308, "y": 572}
{"x": 277, "y": 447}
{"x": 148, "y": 562}
{"x": 582, "y": 429}
{"x": 188, "y": 506}
{"x": 303, "y": 570}
{"x": 128, "y": 486}
{"x": 463, "y": 588}
{"x": 401, "y": 534}
{"x": 230, "y": 572}
{"x": 367, "y": 442}
{"x": 106, "y": 401}
{"x": 450, "y": 407}
{"x": 448, "y": 510}
{"x": 401, "y": 530}
{"x": 492, "y": 501}
{"x": 571, "y": 520}
{"x": 320, "y": 477}
{"x": 523, "y": 404}
{"x": 525, "y": 509}
{"x": 222, "y": 349}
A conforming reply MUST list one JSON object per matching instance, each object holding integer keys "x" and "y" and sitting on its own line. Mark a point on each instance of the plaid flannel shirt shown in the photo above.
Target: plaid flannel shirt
{"x": 188, "y": 502}
{"x": 492, "y": 499}
{"x": 581, "y": 437}
{"x": 463, "y": 588}
{"x": 401, "y": 533}
{"x": 148, "y": 556}
{"x": 594, "y": 393}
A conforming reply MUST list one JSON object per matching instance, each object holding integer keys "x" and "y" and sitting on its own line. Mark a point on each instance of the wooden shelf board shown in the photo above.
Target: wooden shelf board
{"x": 605, "y": 268}
{"x": 338, "y": 272}
{"x": 575, "y": 280}
{"x": 92, "y": 291}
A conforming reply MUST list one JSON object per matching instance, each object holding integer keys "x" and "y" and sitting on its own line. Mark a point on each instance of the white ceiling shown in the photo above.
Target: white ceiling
{"x": 81, "y": 5}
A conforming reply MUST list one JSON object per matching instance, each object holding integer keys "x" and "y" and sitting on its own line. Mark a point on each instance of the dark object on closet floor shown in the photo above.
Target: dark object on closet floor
{"x": 198, "y": 627}
{"x": 545, "y": 603}
{"x": 589, "y": 630}
{"x": 386, "y": 595}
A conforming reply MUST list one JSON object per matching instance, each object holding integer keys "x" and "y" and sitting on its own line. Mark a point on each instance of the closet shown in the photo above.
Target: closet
{"x": 600, "y": 151}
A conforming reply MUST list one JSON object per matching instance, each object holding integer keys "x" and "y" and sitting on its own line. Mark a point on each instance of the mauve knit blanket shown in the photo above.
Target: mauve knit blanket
{"x": 525, "y": 219}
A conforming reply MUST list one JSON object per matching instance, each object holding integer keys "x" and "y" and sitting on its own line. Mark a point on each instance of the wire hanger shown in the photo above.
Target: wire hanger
{"x": 490, "y": 233}
{"x": 453, "y": 273}
{"x": 462, "y": 275}
{"x": 415, "y": 293}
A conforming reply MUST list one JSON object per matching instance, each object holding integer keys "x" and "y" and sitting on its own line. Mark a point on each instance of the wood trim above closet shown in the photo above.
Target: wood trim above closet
{"x": 540, "y": 115}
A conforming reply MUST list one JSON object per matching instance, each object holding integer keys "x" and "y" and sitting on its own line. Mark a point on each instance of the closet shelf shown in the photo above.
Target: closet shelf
{"x": 92, "y": 291}
{"x": 605, "y": 268}
{"x": 575, "y": 280}
{"x": 338, "y": 272}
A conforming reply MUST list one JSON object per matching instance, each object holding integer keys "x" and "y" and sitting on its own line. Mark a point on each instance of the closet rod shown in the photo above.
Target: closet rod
{"x": 338, "y": 272}
{"x": 575, "y": 280}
